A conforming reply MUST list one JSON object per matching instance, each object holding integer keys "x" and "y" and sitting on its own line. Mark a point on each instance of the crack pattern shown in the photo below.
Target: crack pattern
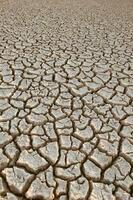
{"x": 66, "y": 100}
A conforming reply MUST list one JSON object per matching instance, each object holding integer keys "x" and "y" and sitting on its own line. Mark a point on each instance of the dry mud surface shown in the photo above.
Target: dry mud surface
{"x": 66, "y": 100}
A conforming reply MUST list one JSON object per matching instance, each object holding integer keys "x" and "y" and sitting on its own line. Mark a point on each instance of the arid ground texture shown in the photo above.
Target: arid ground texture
{"x": 66, "y": 100}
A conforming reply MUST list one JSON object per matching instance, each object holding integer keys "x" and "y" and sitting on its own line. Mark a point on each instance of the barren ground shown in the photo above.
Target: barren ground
{"x": 66, "y": 100}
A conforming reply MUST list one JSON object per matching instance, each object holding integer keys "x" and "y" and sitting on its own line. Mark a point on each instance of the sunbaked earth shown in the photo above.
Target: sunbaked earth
{"x": 66, "y": 100}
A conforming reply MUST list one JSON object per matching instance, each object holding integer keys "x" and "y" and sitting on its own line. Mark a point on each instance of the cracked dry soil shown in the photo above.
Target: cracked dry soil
{"x": 66, "y": 100}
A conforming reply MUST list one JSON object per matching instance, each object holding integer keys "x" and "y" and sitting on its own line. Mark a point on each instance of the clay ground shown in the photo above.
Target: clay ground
{"x": 66, "y": 100}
